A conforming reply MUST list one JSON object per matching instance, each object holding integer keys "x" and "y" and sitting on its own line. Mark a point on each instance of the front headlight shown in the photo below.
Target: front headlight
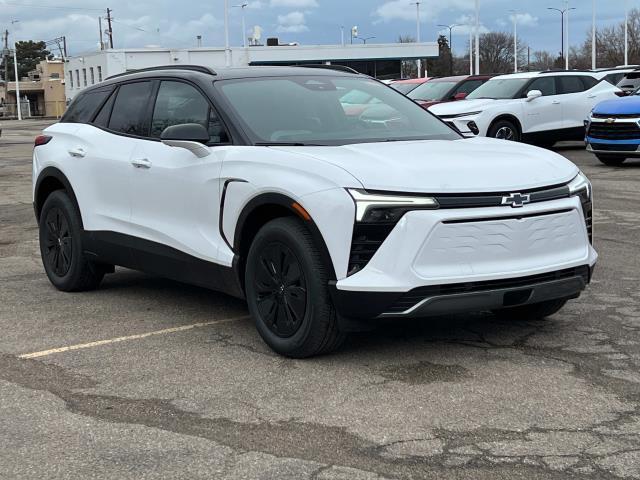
{"x": 383, "y": 208}
{"x": 460, "y": 115}
{"x": 581, "y": 186}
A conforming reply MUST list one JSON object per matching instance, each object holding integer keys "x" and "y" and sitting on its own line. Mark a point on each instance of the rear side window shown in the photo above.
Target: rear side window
{"x": 84, "y": 106}
{"x": 614, "y": 78}
{"x": 468, "y": 87}
{"x": 178, "y": 103}
{"x": 590, "y": 82}
{"x": 102, "y": 119}
{"x": 130, "y": 107}
{"x": 571, "y": 85}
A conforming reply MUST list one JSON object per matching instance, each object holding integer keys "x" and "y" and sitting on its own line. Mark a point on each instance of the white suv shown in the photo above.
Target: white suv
{"x": 541, "y": 107}
{"x": 264, "y": 184}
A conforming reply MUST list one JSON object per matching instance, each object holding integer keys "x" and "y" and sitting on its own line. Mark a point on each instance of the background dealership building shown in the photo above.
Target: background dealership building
{"x": 378, "y": 60}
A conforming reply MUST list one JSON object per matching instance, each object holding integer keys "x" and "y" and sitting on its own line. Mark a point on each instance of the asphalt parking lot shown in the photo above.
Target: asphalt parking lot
{"x": 147, "y": 378}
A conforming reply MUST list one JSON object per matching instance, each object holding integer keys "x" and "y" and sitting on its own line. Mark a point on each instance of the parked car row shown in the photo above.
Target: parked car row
{"x": 602, "y": 107}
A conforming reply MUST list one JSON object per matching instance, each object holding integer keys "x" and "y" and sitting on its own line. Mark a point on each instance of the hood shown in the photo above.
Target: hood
{"x": 464, "y": 106}
{"x": 447, "y": 166}
{"x": 620, "y": 106}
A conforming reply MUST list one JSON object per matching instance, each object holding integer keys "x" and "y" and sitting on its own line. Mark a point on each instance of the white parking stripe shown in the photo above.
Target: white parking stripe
{"x": 98, "y": 343}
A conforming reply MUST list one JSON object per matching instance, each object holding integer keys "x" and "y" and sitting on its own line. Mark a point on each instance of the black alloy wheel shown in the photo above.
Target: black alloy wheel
{"x": 281, "y": 290}
{"x": 58, "y": 247}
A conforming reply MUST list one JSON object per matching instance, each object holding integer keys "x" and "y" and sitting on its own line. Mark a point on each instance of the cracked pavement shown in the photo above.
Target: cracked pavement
{"x": 464, "y": 397}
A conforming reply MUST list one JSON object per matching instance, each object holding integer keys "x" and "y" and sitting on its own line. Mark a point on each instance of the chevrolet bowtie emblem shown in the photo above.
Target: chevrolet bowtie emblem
{"x": 610, "y": 120}
{"x": 516, "y": 200}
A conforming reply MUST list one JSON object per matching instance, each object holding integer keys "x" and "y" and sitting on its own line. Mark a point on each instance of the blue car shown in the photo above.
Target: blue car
{"x": 613, "y": 130}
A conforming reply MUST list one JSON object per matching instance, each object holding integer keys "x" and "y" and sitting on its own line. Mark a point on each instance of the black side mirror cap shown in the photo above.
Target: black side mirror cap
{"x": 186, "y": 132}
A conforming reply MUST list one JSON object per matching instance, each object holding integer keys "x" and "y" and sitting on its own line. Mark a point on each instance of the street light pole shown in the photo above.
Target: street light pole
{"x": 565, "y": 54}
{"x": 450, "y": 27}
{"x": 15, "y": 70}
{"x": 567, "y": 37}
{"x": 242, "y": 6}
{"x": 626, "y": 32}
{"x": 515, "y": 40}
{"x": 593, "y": 38}
{"x": 227, "y": 48}
{"x": 470, "y": 50}
{"x": 418, "y": 40}
{"x": 477, "y": 37}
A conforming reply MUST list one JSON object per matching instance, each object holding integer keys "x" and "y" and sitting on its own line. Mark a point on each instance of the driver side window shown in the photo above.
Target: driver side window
{"x": 178, "y": 103}
{"x": 546, "y": 85}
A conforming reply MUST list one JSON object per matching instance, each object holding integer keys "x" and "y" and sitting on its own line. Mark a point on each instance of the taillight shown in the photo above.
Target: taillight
{"x": 621, "y": 93}
{"x": 42, "y": 140}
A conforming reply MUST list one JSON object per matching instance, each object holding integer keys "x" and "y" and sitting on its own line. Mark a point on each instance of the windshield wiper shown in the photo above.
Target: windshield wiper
{"x": 286, "y": 144}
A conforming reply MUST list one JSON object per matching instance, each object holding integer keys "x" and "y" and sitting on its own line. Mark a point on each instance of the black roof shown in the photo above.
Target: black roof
{"x": 238, "y": 72}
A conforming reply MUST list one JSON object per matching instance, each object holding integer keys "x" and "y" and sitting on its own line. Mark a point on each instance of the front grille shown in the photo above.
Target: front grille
{"x": 616, "y": 116}
{"x": 607, "y": 147}
{"x": 415, "y": 296}
{"x": 615, "y": 131}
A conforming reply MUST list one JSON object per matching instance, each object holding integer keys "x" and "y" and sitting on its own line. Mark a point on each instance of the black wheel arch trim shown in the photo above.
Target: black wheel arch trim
{"x": 509, "y": 118}
{"x": 281, "y": 200}
{"x": 53, "y": 172}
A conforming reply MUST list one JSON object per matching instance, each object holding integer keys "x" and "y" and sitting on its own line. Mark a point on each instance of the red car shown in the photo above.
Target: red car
{"x": 406, "y": 86}
{"x": 446, "y": 89}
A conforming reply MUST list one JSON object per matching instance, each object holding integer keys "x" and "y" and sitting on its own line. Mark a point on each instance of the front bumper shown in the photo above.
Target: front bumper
{"x": 473, "y": 259}
{"x": 624, "y": 148}
{"x": 464, "y": 297}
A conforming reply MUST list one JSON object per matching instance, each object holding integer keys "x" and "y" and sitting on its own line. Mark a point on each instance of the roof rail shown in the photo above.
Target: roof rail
{"x": 562, "y": 70}
{"x": 193, "y": 68}
{"x": 338, "y": 68}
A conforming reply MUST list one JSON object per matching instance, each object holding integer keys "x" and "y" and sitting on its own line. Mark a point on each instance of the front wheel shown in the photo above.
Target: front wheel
{"x": 536, "y": 311}
{"x": 610, "y": 160}
{"x": 504, "y": 130}
{"x": 286, "y": 283}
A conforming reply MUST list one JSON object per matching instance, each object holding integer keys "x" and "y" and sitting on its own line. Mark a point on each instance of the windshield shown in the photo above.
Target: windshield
{"x": 405, "y": 87}
{"x": 326, "y": 110}
{"x": 432, "y": 91}
{"x": 499, "y": 88}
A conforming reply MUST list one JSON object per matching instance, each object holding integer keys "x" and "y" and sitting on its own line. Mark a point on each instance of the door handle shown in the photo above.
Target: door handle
{"x": 77, "y": 152}
{"x": 592, "y": 96}
{"x": 556, "y": 102}
{"x": 141, "y": 163}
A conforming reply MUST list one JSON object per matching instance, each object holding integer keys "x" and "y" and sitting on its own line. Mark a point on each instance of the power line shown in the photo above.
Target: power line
{"x": 55, "y": 7}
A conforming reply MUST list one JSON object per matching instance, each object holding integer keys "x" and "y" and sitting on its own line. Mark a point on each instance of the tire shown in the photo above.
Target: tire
{"x": 504, "y": 130}
{"x": 286, "y": 284}
{"x": 61, "y": 246}
{"x": 610, "y": 160}
{"x": 536, "y": 311}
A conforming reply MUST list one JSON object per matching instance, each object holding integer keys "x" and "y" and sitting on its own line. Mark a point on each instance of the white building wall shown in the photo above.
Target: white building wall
{"x": 113, "y": 62}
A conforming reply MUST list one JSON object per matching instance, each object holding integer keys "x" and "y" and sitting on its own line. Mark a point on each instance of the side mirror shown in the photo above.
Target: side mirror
{"x": 191, "y": 136}
{"x": 533, "y": 94}
{"x": 460, "y": 96}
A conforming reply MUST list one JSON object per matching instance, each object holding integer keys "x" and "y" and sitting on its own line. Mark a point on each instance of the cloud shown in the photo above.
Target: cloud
{"x": 405, "y": 10}
{"x": 525, "y": 19}
{"x": 293, "y": 22}
{"x": 294, "y": 3}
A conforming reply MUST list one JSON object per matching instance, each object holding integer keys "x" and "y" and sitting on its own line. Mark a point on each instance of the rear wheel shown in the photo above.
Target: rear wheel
{"x": 504, "y": 130}
{"x": 286, "y": 285}
{"x": 611, "y": 160}
{"x": 61, "y": 246}
{"x": 536, "y": 311}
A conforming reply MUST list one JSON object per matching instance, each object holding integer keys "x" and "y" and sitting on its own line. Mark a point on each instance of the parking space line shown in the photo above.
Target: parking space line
{"x": 99, "y": 343}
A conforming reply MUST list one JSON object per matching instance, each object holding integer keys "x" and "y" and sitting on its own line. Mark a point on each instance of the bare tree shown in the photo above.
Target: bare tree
{"x": 542, "y": 60}
{"x": 496, "y": 52}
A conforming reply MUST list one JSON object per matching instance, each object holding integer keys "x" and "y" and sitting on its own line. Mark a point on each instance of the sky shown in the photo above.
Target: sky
{"x": 139, "y": 23}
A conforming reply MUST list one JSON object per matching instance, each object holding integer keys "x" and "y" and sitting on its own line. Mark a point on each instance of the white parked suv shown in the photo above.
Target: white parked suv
{"x": 539, "y": 107}
{"x": 264, "y": 184}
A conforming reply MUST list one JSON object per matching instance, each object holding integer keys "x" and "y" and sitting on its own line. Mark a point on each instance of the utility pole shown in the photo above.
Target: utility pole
{"x": 6, "y": 59}
{"x": 110, "y": 28}
{"x": 100, "y": 31}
